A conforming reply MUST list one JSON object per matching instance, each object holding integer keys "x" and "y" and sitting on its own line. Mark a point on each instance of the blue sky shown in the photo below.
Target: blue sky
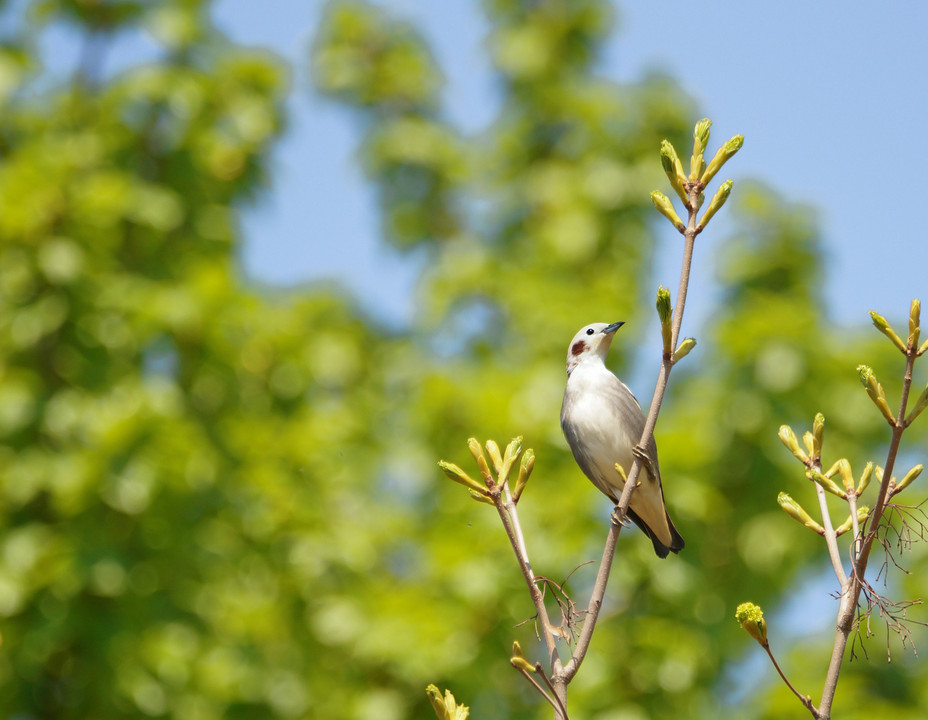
{"x": 830, "y": 97}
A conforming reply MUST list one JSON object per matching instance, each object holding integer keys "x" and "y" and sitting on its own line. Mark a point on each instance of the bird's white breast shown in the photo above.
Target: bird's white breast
{"x": 597, "y": 420}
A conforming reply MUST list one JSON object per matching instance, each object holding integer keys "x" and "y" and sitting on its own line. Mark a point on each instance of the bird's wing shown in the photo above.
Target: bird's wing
{"x": 596, "y": 454}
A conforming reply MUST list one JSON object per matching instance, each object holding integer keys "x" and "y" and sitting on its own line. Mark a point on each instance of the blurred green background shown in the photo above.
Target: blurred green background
{"x": 221, "y": 500}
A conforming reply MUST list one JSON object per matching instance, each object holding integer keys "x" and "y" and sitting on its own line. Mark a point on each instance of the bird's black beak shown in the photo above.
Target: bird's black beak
{"x": 612, "y": 328}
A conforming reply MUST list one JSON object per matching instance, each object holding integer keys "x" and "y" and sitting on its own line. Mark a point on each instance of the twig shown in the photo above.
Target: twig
{"x": 602, "y": 577}
{"x": 804, "y": 699}
{"x": 830, "y": 538}
{"x": 851, "y": 594}
{"x": 555, "y": 701}
{"x": 510, "y": 519}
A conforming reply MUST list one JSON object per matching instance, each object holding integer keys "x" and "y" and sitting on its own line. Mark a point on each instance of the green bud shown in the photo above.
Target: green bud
{"x": 914, "y": 330}
{"x": 826, "y": 482}
{"x": 662, "y": 203}
{"x": 670, "y": 161}
{"x": 721, "y": 195}
{"x": 446, "y": 708}
{"x": 495, "y": 456}
{"x": 809, "y": 441}
{"x": 750, "y": 617}
{"x": 862, "y": 513}
{"x": 920, "y": 404}
{"x": 459, "y": 476}
{"x": 865, "y": 478}
{"x": 509, "y": 458}
{"x": 797, "y": 513}
{"x": 701, "y": 136}
{"x": 664, "y": 311}
{"x": 842, "y": 468}
{"x": 521, "y": 663}
{"x": 474, "y": 446}
{"x": 483, "y": 497}
{"x": 683, "y": 349}
{"x": 909, "y": 477}
{"x": 525, "y": 471}
{"x": 879, "y": 322}
{"x": 922, "y": 348}
{"x": 788, "y": 438}
{"x": 818, "y": 433}
{"x": 700, "y": 141}
{"x": 875, "y": 391}
{"x": 722, "y": 156}
{"x": 516, "y": 649}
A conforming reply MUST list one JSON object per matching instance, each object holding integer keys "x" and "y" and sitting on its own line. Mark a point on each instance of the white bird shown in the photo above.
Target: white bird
{"x": 603, "y": 422}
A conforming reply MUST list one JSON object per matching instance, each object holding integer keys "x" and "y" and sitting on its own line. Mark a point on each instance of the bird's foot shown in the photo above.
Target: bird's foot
{"x": 643, "y": 457}
{"x": 618, "y": 519}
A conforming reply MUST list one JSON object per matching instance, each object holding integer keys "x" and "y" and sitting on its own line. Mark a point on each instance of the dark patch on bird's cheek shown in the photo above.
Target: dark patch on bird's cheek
{"x": 578, "y": 347}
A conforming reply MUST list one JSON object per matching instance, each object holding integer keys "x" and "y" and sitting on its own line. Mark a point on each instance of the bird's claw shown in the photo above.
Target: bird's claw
{"x": 642, "y": 456}
{"x": 618, "y": 520}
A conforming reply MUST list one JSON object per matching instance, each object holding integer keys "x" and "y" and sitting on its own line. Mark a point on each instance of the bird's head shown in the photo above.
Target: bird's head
{"x": 592, "y": 341}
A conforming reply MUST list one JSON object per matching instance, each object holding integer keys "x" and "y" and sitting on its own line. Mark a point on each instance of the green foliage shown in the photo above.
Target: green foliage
{"x": 216, "y": 502}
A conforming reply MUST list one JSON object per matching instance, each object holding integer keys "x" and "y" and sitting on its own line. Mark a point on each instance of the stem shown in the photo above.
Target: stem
{"x": 830, "y": 538}
{"x": 802, "y": 698}
{"x": 855, "y": 525}
{"x": 851, "y": 598}
{"x": 555, "y": 701}
{"x": 510, "y": 519}
{"x": 602, "y": 577}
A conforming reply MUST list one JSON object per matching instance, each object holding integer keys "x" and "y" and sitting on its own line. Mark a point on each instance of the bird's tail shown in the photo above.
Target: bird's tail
{"x": 676, "y": 540}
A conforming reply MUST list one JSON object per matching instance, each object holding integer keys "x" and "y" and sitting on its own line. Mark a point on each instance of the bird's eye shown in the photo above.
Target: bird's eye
{"x": 590, "y": 331}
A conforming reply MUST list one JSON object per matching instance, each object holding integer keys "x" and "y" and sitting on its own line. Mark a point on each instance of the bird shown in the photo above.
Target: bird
{"x": 602, "y": 422}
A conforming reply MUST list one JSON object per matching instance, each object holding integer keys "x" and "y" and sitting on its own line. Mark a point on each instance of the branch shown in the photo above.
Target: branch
{"x": 509, "y": 516}
{"x": 830, "y": 538}
{"x": 851, "y": 597}
{"x": 602, "y": 577}
{"x": 804, "y": 699}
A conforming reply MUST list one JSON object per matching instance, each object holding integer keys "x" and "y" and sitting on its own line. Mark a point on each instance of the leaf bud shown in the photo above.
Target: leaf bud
{"x": 525, "y": 471}
{"x": 722, "y": 156}
{"x": 847, "y": 475}
{"x": 664, "y": 312}
{"x": 920, "y": 404}
{"x": 721, "y": 195}
{"x": 862, "y": 513}
{"x": 511, "y": 455}
{"x": 865, "y": 478}
{"x": 474, "y": 446}
{"x": 908, "y": 479}
{"x": 446, "y": 708}
{"x": 826, "y": 482}
{"x": 483, "y": 497}
{"x": 670, "y": 161}
{"x": 496, "y": 456}
{"x": 459, "y": 476}
{"x": 788, "y": 438}
{"x": 818, "y": 434}
{"x": 875, "y": 391}
{"x": 665, "y": 208}
{"x": 809, "y": 442}
{"x": 797, "y": 513}
{"x": 683, "y": 349}
{"x": 914, "y": 329}
{"x": 880, "y": 323}
{"x": 520, "y": 663}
